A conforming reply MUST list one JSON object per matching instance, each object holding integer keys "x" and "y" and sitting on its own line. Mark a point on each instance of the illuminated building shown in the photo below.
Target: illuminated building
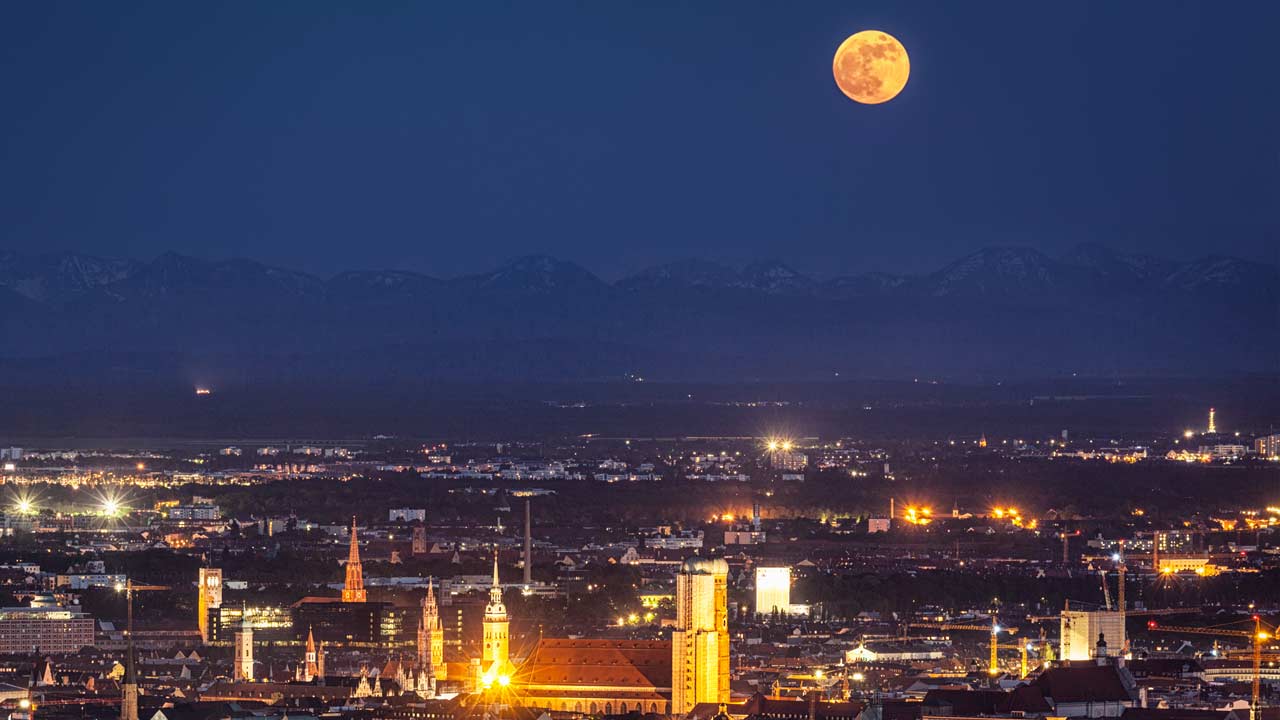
{"x": 312, "y": 666}
{"x": 270, "y": 623}
{"x": 419, "y": 544}
{"x": 353, "y": 590}
{"x": 209, "y": 598}
{"x": 348, "y": 623}
{"x": 1267, "y": 446}
{"x": 44, "y": 629}
{"x": 242, "y": 670}
{"x": 596, "y": 676}
{"x": 431, "y": 636}
{"x": 1080, "y": 630}
{"x": 495, "y": 657}
{"x": 773, "y": 590}
{"x": 788, "y": 459}
{"x": 700, "y": 641}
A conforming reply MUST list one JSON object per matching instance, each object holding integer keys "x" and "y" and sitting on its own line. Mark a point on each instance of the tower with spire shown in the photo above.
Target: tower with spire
{"x": 353, "y": 590}
{"x": 242, "y": 670}
{"x": 431, "y": 636}
{"x": 312, "y": 663}
{"x": 496, "y": 623}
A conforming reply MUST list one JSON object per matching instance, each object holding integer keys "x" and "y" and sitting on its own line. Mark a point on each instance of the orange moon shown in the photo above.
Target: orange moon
{"x": 871, "y": 67}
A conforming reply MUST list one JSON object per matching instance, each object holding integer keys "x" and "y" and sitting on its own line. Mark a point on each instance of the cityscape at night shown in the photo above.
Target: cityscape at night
{"x": 639, "y": 361}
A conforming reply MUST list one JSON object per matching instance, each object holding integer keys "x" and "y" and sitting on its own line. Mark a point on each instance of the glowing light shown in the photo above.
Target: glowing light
{"x": 504, "y": 680}
{"x": 858, "y": 677}
{"x": 110, "y": 507}
{"x": 818, "y": 673}
{"x": 142, "y": 466}
{"x": 773, "y": 446}
{"x": 1188, "y": 434}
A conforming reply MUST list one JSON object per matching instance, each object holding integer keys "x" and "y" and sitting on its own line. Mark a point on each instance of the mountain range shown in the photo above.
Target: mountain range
{"x": 998, "y": 312}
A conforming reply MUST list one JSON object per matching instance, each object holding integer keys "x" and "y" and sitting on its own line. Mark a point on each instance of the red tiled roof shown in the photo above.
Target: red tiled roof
{"x": 641, "y": 664}
{"x": 1096, "y": 683}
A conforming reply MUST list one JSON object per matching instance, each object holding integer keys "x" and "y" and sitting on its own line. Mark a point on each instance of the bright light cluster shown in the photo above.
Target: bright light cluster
{"x": 918, "y": 515}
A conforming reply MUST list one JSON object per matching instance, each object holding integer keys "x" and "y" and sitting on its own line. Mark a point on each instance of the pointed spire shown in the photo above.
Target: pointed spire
{"x": 495, "y": 566}
{"x": 353, "y": 590}
{"x": 353, "y": 555}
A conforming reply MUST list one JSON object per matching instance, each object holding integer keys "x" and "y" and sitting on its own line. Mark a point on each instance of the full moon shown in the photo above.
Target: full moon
{"x": 871, "y": 67}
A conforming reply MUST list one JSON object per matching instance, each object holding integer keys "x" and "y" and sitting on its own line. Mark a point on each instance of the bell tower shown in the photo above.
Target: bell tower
{"x": 495, "y": 625}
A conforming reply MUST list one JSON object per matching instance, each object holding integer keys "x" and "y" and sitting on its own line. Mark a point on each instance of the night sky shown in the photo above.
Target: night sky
{"x": 447, "y": 137}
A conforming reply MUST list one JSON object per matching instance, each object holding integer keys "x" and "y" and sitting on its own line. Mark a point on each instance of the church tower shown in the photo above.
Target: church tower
{"x": 700, "y": 641}
{"x": 431, "y": 636}
{"x": 353, "y": 591}
{"x": 311, "y": 660}
{"x": 495, "y": 626}
{"x": 243, "y": 668}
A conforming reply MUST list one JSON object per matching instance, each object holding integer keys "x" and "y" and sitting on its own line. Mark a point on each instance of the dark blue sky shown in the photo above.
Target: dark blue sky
{"x": 446, "y": 137}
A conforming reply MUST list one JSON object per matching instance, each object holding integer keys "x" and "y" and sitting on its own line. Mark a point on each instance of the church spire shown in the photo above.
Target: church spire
{"x": 353, "y": 590}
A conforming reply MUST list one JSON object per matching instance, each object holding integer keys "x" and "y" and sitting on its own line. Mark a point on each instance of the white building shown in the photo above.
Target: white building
{"x": 773, "y": 589}
{"x": 407, "y": 514}
{"x": 1268, "y": 446}
{"x": 1080, "y": 630}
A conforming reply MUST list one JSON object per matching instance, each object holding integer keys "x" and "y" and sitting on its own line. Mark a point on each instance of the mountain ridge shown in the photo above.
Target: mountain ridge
{"x": 1000, "y": 310}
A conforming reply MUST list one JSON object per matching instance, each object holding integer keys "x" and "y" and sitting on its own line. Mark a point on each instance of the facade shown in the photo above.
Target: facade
{"x": 431, "y": 636}
{"x": 700, "y": 641}
{"x": 47, "y": 629}
{"x": 1081, "y": 629}
{"x": 359, "y": 623}
{"x": 407, "y": 515}
{"x": 353, "y": 590}
{"x": 82, "y": 581}
{"x": 270, "y": 623}
{"x": 496, "y": 626}
{"x": 1267, "y": 446}
{"x": 242, "y": 670}
{"x": 209, "y": 587}
{"x": 773, "y": 590}
{"x": 419, "y": 543}
{"x": 195, "y": 511}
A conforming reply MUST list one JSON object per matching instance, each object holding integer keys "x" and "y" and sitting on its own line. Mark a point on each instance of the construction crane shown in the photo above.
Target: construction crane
{"x": 129, "y": 688}
{"x": 994, "y": 628}
{"x": 1023, "y": 649}
{"x": 1131, "y": 613}
{"x": 1257, "y": 637}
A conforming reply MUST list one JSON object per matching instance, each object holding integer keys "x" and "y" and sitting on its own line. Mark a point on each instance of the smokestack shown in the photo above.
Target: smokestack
{"x": 528, "y": 544}
{"x": 755, "y": 516}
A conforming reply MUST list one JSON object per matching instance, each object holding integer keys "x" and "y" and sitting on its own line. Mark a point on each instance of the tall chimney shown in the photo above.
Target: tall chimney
{"x": 528, "y": 544}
